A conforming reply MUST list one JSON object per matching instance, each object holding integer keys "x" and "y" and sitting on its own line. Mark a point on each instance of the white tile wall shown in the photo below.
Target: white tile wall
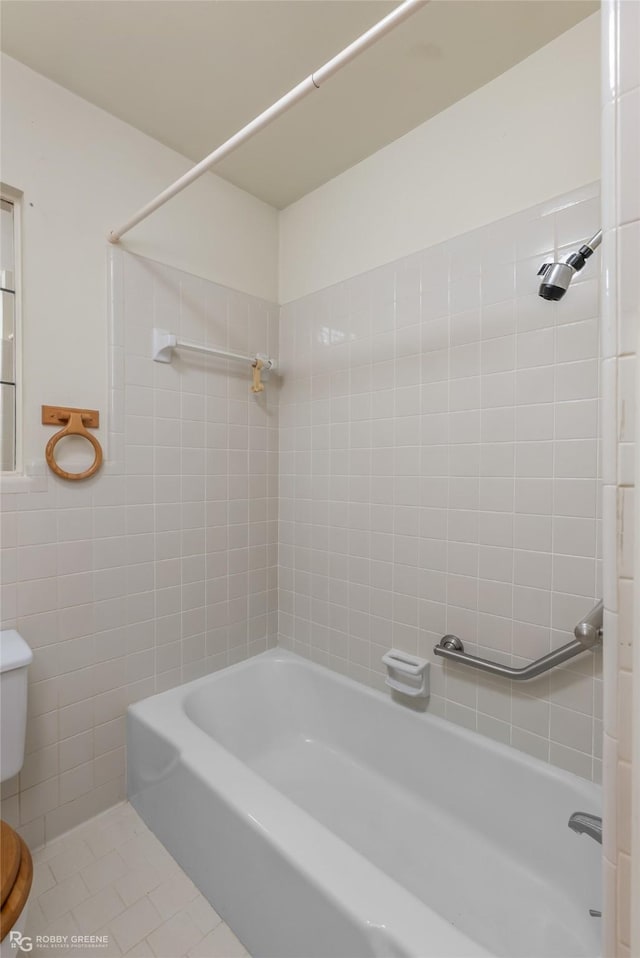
{"x": 621, "y": 318}
{"x": 160, "y": 568}
{"x": 199, "y": 453}
{"x": 439, "y": 473}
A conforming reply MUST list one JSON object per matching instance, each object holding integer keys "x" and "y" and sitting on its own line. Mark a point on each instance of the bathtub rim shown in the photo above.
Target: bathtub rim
{"x": 524, "y": 759}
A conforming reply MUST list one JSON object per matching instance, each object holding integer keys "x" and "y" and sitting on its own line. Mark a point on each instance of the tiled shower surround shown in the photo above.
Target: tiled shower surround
{"x": 439, "y": 474}
{"x": 203, "y": 449}
{"x": 437, "y": 429}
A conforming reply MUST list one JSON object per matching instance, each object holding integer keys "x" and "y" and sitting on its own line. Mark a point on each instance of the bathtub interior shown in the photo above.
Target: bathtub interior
{"x": 476, "y": 831}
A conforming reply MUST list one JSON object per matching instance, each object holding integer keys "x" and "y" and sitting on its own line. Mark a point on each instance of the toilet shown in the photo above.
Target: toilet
{"x": 16, "y": 867}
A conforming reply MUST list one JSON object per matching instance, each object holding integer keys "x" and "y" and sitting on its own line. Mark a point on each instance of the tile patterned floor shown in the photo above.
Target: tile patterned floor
{"x": 111, "y": 876}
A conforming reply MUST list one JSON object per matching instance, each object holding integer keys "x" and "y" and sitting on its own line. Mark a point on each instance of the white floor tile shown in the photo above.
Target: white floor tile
{"x": 58, "y": 846}
{"x": 72, "y": 857}
{"x": 142, "y": 850}
{"x": 110, "y": 836}
{"x": 204, "y": 916}
{"x": 111, "y": 876}
{"x": 141, "y": 950}
{"x": 60, "y": 899}
{"x": 175, "y": 937}
{"x": 35, "y": 917}
{"x": 173, "y": 894}
{"x": 220, "y": 943}
{"x": 104, "y": 871}
{"x": 98, "y": 910}
{"x": 139, "y": 881}
{"x": 111, "y": 950}
{"x": 43, "y": 880}
{"x": 65, "y": 925}
{"x": 135, "y": 923}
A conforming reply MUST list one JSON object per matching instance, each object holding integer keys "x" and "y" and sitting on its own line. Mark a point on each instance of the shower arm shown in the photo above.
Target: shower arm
{"x": 588, "y": 633}
{"x": 595, "y": 241}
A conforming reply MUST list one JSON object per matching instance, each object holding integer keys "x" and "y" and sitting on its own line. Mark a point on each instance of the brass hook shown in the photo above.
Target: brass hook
{"x": 76, "y": 422}
{"x": 258, "y": 385}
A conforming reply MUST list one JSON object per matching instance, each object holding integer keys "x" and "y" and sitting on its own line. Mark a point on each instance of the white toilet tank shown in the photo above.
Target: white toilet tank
{"x": 15, "y": 657}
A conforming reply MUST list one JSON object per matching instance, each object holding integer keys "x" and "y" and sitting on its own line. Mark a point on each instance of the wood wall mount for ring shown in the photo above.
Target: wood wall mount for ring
{"x": 76, "y": 421}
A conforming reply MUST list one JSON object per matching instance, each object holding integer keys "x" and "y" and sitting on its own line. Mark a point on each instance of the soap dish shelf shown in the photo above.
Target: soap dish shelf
{"x": 407, "y": 673}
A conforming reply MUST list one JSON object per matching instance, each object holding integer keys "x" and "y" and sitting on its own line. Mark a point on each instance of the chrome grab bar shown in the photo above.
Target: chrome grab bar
{"x": 588, "y": 632}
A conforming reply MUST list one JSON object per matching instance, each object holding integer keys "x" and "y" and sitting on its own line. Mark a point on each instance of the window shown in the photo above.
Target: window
{"x": 9, "y": 213}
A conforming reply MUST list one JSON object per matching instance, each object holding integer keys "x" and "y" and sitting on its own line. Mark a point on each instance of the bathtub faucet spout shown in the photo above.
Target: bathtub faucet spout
{"x": 584, "y": 824}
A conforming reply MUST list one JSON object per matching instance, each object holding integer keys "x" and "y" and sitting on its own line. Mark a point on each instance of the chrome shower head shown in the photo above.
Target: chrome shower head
{"x": 558, "y": 276}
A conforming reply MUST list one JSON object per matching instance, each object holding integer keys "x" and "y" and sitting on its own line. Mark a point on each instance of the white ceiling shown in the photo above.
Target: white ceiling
{"x": 192, "y": 72}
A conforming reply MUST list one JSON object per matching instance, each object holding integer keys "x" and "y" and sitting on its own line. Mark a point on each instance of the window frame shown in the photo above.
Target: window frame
{"x": 14, "y": 196}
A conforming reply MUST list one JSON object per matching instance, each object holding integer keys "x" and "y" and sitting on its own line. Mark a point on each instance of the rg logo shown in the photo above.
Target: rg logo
{"x": 18, "y": 940}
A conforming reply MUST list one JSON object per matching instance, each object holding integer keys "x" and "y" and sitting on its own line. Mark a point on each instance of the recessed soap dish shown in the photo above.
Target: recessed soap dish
{"x": 407, "y": 673}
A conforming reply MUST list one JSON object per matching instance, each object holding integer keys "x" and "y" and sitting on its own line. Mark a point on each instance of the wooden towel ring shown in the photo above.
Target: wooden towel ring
{"x": 76, "y": 422}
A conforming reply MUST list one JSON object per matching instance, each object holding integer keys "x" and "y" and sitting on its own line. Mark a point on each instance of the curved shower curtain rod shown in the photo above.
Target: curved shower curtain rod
{"x": 311, "y": 83}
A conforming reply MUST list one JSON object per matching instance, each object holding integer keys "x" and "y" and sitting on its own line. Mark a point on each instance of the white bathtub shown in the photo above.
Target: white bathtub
{"x": 324, "y": 820}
